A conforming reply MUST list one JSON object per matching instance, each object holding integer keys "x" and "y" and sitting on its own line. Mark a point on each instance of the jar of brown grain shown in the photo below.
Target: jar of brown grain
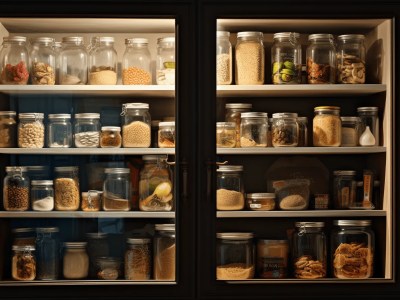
{"x": 327, "y": 126}
{"x": 16, "y": 189}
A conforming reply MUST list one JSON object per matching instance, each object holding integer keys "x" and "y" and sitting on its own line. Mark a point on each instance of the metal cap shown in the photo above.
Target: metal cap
{"x": 166, "y": 124}
{"x": 23, "y": 230}
{"x": 57, "y": 45}
{"x": 165, "y": 227}
{"x": 47, "y": 229}
{"x": 43, "y": 40}
{"x": 8, "y": 113}
{"x": 260, "y": 195}
{"x": 14, "y": 39}
{"x": 226, "y": 124}
{"x": 59, "y": 116}
{"x": 321, "y": 36}
{"x": 31, "y": 116}
{"x": 239, "y": 105}
{"x": 286, "y": 35}
{"x": 96, "y": 235}
{"x": 352, "y": 222}
{"x": 110, "y": 128}
{"x": 87, "y": 116}
{"x": 117, "y": 170}
{"x": 136, "y": 41}
{"x": 106, "y": 39}
{"x": 284, "y": 115}
{"x": 368, "y": 109}
{"x": 325, "y": 108}
{"x": 263, "y": 241}
{"x": 310, "y": 224}
{"x": 235, "y": 235}
{"x": 16, "y": 169}
{"x": 135, "y": 105}
{"x": 66, "y": 169}
{"x": 75, "y": 245}
{"x": 351, "y": 37}
{"x": 350, "y": 119}
{"x": 230, "y": 168}
{"x": 243, "y": 34}
{"x": 36, "y": 168}
{"x": 138, "y": 241}
{"x": 42, "y": 182}
{"x": 72, "y": 39}
{"x": 254, "y": 115}
{"x": 223, "y": 33}
{"x": 23, "y": 248}
{"x": 166, "y": 40}
{"x": 345, "y": 172}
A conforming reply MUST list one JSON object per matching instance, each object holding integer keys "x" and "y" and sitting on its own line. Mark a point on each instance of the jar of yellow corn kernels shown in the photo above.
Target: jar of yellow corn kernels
{"x": 136, "y": 62}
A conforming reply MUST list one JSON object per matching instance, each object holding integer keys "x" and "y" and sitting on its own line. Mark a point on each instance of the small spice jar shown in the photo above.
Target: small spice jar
{"x": 285, "y": 130}
{"x": 15, "y": 60}
{"x": 272, "y": 258}
{"x": 353, "y": 246}
{"x": 91, "y": 200}
{"x": 230, "y": 188}
{"x": 224, "y": 58}
{"x": 16, "y": 189}
{"x": 97, "y": 247}
{"x": 226, "y": 135}
{"x": 8, "y": 129}
{"x": 138, "y": 259}
{"x": 369, "y": 118}
{"x": 117, "y": 189}
{"x": 166, "y": 135}
{"x": 351, "y": 58}
{"x": 87, "y": 130}
{"x": 233, "y": 114}
{"x": 136, "y": 129}
{"x": 136, "y": 62}
{"x": 42, "y": 195}
{"x": 66, "y": 187}
{"x": 108, "y": 268}
{"x": 327, "y": 126}
{"x": 23, "y": 265}
{"x": 253, "y": 129}
{"x": 47, "y": 246}
{"x": 344, "y": 189}
{"x": 165, "y": 63}
{"x": 110, "y": 137}
{"x": 30, "y": 130}
{"x": 73, "y": 61}
{"x": 24, "y": 236}
{"x": 350, "y": 131}
{"x": 59, "y": 131}
{"x": 43, "y": 59}
{"x": 261, "y": 201}
{"x": 235, "y": 256}
{"x": 103, "y": 62}
{"x": 303, "y": 131}
{"x": 75, "y": 260}
{"x": 164, "y": 260}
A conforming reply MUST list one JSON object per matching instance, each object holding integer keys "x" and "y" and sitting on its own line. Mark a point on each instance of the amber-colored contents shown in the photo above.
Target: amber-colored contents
{"x": 136, "y": 76}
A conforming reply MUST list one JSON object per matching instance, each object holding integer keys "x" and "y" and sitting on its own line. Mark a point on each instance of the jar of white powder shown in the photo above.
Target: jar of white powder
{"x": 42, "y": 195}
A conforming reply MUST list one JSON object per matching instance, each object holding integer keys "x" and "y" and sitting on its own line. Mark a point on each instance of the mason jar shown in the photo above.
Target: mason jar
{"x": 138, "y": 259}
{"x": 344, "y": 189}
{"x": 230, "y": 188}
{"x": 261, "y": 201}
{"x": 59, "y": 131}
{"x": 136, "y": 129}
{"x": 16, "y": 189}
{"x": 43, "y": 59}
{"x": 165, "y": 63}
{"x": 23, "y": 263}
{"x": 14, "y": 60}
{"x": 233, "y": 114}
{"x": 136, "y": 62}
{"x": 110, "y": 137}
{"x": 253, "y": 129}
{"x": 42, "y": 195}
{"x": 97, "y": 246}
{"x": 303, "y": 131}
{"x": 369, "y": 117}
{"x": 117, "y": 189}
{"x": 75, "y": 260}
{"x": 285, "y": 130}
{"x": 166, "y": 135}
{"x": 350, "y": 131}
{"x": 73, "y": 61}
{"x": 224, "y": 58}
{"x": 87, "y": 130}
{"x": 103, "y": 62}
{"x": 327, "y": 126}
{"x": 8, "y": 129}
{"x": 226, "y": 135}
{"x": 164, "y": 258}
{"x": 66, "y": 188}
{"x": 91, "y": 200}
{"x": 108, "y": 268}
{"x": 30, "y": 130}
{"x": 351, "y": 59}
{"x": 47, "y": 253}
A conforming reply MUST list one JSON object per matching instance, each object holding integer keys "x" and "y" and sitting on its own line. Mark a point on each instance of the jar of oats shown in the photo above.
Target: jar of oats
{"x": 136, "y": 130}
{"x": 16, "y": 189}
{"x": 66, "y": 188}
{"x": 30, "y": 130}
{"x": 327, "y": 126}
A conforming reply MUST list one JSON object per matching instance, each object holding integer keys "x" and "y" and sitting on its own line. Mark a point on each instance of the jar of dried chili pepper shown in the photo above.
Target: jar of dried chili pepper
{"x": 14, "y": 60}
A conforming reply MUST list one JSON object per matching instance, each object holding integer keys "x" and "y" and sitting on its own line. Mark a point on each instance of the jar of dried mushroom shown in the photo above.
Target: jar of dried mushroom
{"x": 30, "y": 130}
{"x": 165, "y": 63}
{"x": 15, "y": 60}
{"x": 138, "y": 259}
{"x": 16, "y": 189}
{"x": 103, "y": 62}
{"x": 8, "y": 129}
{"x": 23, "y": 266}
{"x": 42, "y": 195}
{"x": 47, "y": 246}
{"x": 59, "y": 131}
{"x": 24, "y": 236}
{"x": 351, "y": 58}
{"x": 230, "y": 188}
{"x": 136, "y": 62}
{"x": 224, "y": 58}
{"x": 350, "y": 131}
{"x": 75, "y": 260}
{"x": 235, "y": 256}
{"x": 321, "y": 59}
{"x": 91, "y": 200}
{"x": 369, "y": 117}
{"x": 97, "y": 246}
{"x": 303, "y": 131}
{"x": 117, "y": 189}
{"x": 43, "y": 60}
{"x": 226, "y": 135}
{"x": 285, "y": 130}
{"x": 66, "y": 187}
{"x": 73, "y": 61}
{"x": 166, "y": 135}
{"x": 253, "y": 129}
{"x": 110, "y": 137}
{"x": 353, "y": 246}
{"x": 261, "y": 201}
{"x": 344, "y": 189}
{"x": 272, "y": 258}
{"x": 164, "y": 259}
{"x": 87, "y": 130}
{"x": 327, "y": 126}
{"x": 233, "y": 114}
{"x": 108, "y": 268}
{"x": 309, "y": 250}
{"x": 136, "y": 130}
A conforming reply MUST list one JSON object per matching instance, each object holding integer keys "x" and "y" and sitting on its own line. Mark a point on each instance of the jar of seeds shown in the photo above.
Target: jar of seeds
{"x": 166, "y": 135}
{"x": 30, "y": 130}
{"x": 327, "y": 126}
{"x": 66, "y": 187}
{"x": 16, "y": 189}
{"x": 136, "y": 129}
{"x": 226, "y": 135}
{"x": 351, "y": 59}
{"x": 285, "y": 130}
{"x": 87, "y": 130}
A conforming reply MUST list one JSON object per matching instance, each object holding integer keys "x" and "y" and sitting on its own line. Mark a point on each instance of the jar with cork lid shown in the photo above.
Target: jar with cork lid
{"x": 136, "y": 62}
{"x": 16, "y": 189}
{"x": 136, "y": 129}
{"x": 31, "y": 130}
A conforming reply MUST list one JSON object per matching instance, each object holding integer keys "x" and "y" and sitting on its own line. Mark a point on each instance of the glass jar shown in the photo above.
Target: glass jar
{"x": 117, "y": 189}
{"x": 43, "y": 59}
{"x": 344, "y": 189}
{"x": 108, "y": 268}
{"x": 138, "y": 259}
{"x": 156, "y": 184}
{"x": 94, "y": 40}
{"x": 136, "y": 129}
{"x": 103, "y": 62}
{"x": 351, "y": 58}
{"x": 224, "y": 58}
{"x": 226, "y": 135}
{"x": 285, "y": 130}
{"x": 136, "y": 63}
{"x": 16, "y": 189}
{"x": 261, "y": 201}
{"x": 87, "y": 130}
{"x": 165, "y": 63}
{"x": 38, "y": 172}
{"x": 24, "y": 236}
{"x": 321, "y": 59}
{"x": 110, "y": 137}
{"x": 42, "y": 195}
{"x": 75, "y": 260}
{"x": 59, "y": 131}
{"x": 8, "y": 129}
{"x": 353, "y": 247}
{"x": 272, "y": 258}
{"x": 235, "y": 256}
{"x": 14, "y": 60}
{"x": 309, "y": 249}
{"x": 350, "y": 131}
{"x": 91, "y": 200}
{"x": 253, "y": 129}
{"x": 303, "y": 131}
{"x": 66, "y": 186}
{"x": 249, "y": 58}
{"x": 57, "y": 48}
{"x": 369, "y": 118}
{"x": 164, "y": 260}
{"x": 327, "y": 126}
{"x": 286, "y": 58}
{"x": 233, "y": 114}
{"x": 30, "y": 130}
{"x": 47, "y": 252}
{"x": 230, "y": 188}
{"x": 23, "y": 265}
{"x": 166, "y": 135}
{"x": 73, "y": 61}
{"x": 97, "y": 246}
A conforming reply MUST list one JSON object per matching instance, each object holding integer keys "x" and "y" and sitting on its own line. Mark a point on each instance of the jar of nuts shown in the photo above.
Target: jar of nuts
{"x": 30, "y": 130}
{"x": 16, "y": 189}
{"x": 285, "y": 130}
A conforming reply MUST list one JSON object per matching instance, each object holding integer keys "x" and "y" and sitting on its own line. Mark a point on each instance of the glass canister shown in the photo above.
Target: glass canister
{"x": 91, "y": 200}
{"x": 344, "y": 189}
{"x": 87, "y": 130}
{"x": 233, "y": 114}
{"x": 59, "y": 131}
{"x": 14, "y": 60}
{"x": 110, "y": 137}
{"x": 285, "y": 130}
{"x": 350, "y": 131}
{"x": 165, "y": 63}
{"x": 303, "y": 131}
{"x": 117, "y": 189}
{"x": 226, "y": 135}
{"x": 235, "y": 256}
{"x": 249, "y": 58}
{"x": 309, "y": 250}
{"x": 224, "y": 58}
{"x": 327, "y": 126}
{"x": 108, "y": 268}
{"x": 42, "y": 195}
{"x": 66, "y": 187}
{"x": 253, "y": 129}
{"x": 23, "y": 264}
{"x": 353, "y": 246}
{"x": 351, "y": 58}
{"x": 75, "y": 260}
{"x": 43, "y": 59}
{"x": 16, "y": 189}
{"x": 57, "y": 48}
{"x": 8, "y": 129}
{"x": 164, "y": 259}
{"x": 73, "y": 61}
{"x": 166, "y": 135}
{"x": 230, "y": 188}
{"x": 97, "y": 246}
{"x": 369, "y": 118}
{"x": 47, "y": 253}
{"x": 272, "y": 258}
{"x": 103, "y": 62}
{"x": 136, "y": 129}
{"x": 261, "y": 201}
{"x": 136, "y": 62}
{"x": 286, "y": 58}
{"x": 30, "y": 130}
{"x": 138, "y": 259}
{"x": 321, "y": 59}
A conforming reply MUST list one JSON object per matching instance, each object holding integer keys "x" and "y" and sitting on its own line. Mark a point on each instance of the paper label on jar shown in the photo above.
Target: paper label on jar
{"x": 272, "y": 267}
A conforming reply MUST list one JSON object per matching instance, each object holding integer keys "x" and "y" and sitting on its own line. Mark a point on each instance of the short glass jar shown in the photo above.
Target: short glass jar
{"x": 165, "y": 63}
{"x": 97, "y": 247}
{"x": 166, "y": 135}
{"x": 16, "y": 189}
{"x": 226, "y": 135}
{"x": 224, "y": 58}
{"x": 285, "y": 130}
{"x": 23, "y": 264}
{"x": 261, "y": 201}
{"x": 75, "y": 260}
{"x": 87, "y": 130}
{"x": 66, "y": 188}
{"x": 42, "y": 195}
{"x": 164, "y": 259}
{"x": 43, "y": 59}
{"x": 344, "y": 189}
{"x": 136, "y": 129}
{"x": 327, "y": 126}
{"x": 108, "y": 268}
{"x": 369, "y": 117}
{"x": 14, "y": 60}
{"x": 110, "y": 137}
{"x": 91, "y": 200}
{"x": 59, "y": 131}
{"x": 230, "y": 188}
{"x": 73, "y": 61}
{"x": 350, "y": 131}
{"x": 138, "y": 259}
{"x": 8, "y": 129}
{"x": 30, "y": 130}
{"x": 303, "y": 131}
{"x": 253, "y": 129}
{"x": 47, "y": 253}
{"x": 103, "y": 62}
{"x": 136, "y": 62}
{"x": 272, "y": 258}
{"x": 351, "y": 59}
{"x": 117, "y": 189}
{"x": 233, "y": 114}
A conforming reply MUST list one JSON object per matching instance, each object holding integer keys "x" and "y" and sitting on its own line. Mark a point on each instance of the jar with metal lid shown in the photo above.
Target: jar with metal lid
{"x": 97, "y": 246}
{"x": 14, "y": 60}
{"x": 73, "y": 61}
{"x": 108, "y": 268}
{"x": 321, "y": 59}
{"x": 136, "y": 131}
{"x": 117, "y": 189}
{"x": 43, "y": 59}
{"x": 30, "y": 130}
{"x": 59, "y": 131}
{"x": 165, "y": 63}
{"x": 42, "y": 195}
{"x": 8, "y": 129}
{"x": 103, "y": 62}
{"x": 87, "y": 130}
{"x": 272, "y": 258}
{"x": 351, "y": 58}
{"x": 303, "y": 131}
{"x": 47, "y": 253}
{"x": 164, "y": 259}
{"x": 235, "y": 256}
{"x": 233, "y": 114}
{"x": 24, "y": 236}
{"x": 253, "y": 129}
{"x": 23, "y": 264}
{"x": 249, "y": 58}
{"x": 66, "y": 187}
{"x": 16, "y": 189}
{"x": 261, "y": 201}
{"x": 369, "y": 118}
{"x": 224, "y": 58}
{"x": 166, "y": 135}
{"x": 138, "y": 259}
{"x": 353, "y": 247}
{"x": 38, "y": 172}
{"x": 226, "y": 135}
{"x": 327, "y": 126}
{"x": 230, "y": 188}
{"x": 286, "y": 58}
{"x": 344, "y": 189}
{"x": 57, "y": 48}
{"x": 350, "y": 131}
{"x": 309, "y": 250}
{"x": 110, "y": 137}
{"x": 91, "y": 200}
{"x": 75, "y": 260}
{"x": 136, "y": 62}
{"x": 285, "y": 130}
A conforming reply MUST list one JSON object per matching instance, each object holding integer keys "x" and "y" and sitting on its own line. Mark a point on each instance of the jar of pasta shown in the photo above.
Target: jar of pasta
{"x": 66, "y": 188}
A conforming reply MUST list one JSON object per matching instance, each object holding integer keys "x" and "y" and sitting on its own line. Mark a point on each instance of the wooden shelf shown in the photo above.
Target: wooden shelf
{"x": 88, "y": 151}
{"x": 301, "y": 214}
{"x": 301, "y": 150}
{"x": 84, "y": 214}
{"x": 316, "y": 281}
{"x": 84, "y": 282}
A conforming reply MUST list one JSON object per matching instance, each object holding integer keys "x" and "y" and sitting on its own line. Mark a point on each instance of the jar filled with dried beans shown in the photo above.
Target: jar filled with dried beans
{"x": 66, "y": 188}
{"x": 14, "y": 60}
{"x": 43, "y": 59}
{"x": 8, "y": 129}
{"x": 16, "y": 189}
{"x": 30, "y": 130}
{"x": 138, "y": 259}
{"x": 136, "y": 129}
{"x": 327, "y": 126}
{"x": 136, "y": 62}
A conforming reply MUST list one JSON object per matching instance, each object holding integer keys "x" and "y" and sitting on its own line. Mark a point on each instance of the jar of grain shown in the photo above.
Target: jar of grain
{"x": 165, "y": 63}
{"x": 369, "y": 117}
{"x": 344, "y": 189}
{"x": 253, "y": 129}
{"x": 272, "y": 258}
{"x": 309, "y": 250}
{"x": 136, "y": 62}
{"x": 136, "y": 131}
{"x": 327, "y": 126}
{"x": 75, "y": 261}
{"x": 235, "y": 256}
{"x": 59, "y": 131}
{"x": 91, "y": 200}
{"x": 138, "y": 259}
{"x": 48, "y": 260}
{"x": 97, "y": 247}
{"x": 224, "y": 58}
{"x": 117, "y": 189}
{"x": 66, "y": 186}
{"x": 108, "y": 268}
{"x": 164, "y": 260}
{"x": 285, "y": 130}
{"x": 14, "y": 60}
{"x": 30, "y": 130}
{"x": 43, "y": 60}
{"x": 230, "y": 188}
{"x": 103, "y": 62}
{"x": 166, "y": 135}
{"x": 73, "y": 61}
{"x": 351, "y": 58}
{"x": 87, "y": 130}
{"x": 16, "y": 189}
{"x": 249, "y": 58}
{"x": 42, "y": 195}
{"x": 261, "y": 201}
{"x": 8, "y": 129}
{"x": 233, "y": 114}
{"x": 110, "y": 137}
{"x": 350, "y": 131}
{"x": 24, "y": 236}
{"x": 303, "y": 131}
{"x": 226, "y": 135}
{"x": 286, "y": 58}
{"x": 23, "y": 265}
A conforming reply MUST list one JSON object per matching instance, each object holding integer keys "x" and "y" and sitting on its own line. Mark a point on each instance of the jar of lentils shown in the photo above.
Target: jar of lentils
{"x": 87, "y": 130}
{"x": 351, "y": 59}
{"x": 253, "y": 129}
{"x": 30, "y": 130}
{"x": 136, "y": 131}
{"x": 327, "y": 126}
{"x": 16, "y": 189}
{"x": 285, "y": 130}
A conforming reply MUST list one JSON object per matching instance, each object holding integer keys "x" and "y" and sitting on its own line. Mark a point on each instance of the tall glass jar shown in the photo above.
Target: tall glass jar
{"x": 351, "y": 58}
{"x": 165, "y": 63}
{"x": 30, "y": 130}
{"x": 14, "y": 60}
{"x": 59, "y": 131}
{"x": 66, "y": 188}
{"x": 285, "y": 130}
{"x": 73, "y": 61}
{"x": 16, "y": 189}
{"x": 224, "y": 58}
{"x": 97, "y": 246}
{"x": 47, "y": 253}
{"x": 327, "y": 126}
{"x": 344, "y": 189}
{"x": 57, "y": 48}
{"x": 226, "y": 135}
{"x": 249, "y": 58}
{"x": 23, "y": 264}
{"x": 235, "y": 256}
{"x": 75, "y": 260}
{"x": 43, "y": 59}
{"x": 253, "y": 129}
{"x": 321, "y": 59}
{"x": 233, "y": 114}
{"x": 303, "y": 131}
{"x": 286, "y": 58}
{"x": 309, "y": 249}
{"x": 230, "y": 188}
{"x": 350, "y": 131}
{"x": 136, "y": 62}
{"x": 103, "y": 62}
{"x": 369, "y": 117}
{"x": 8, "y": 129}
{"x": 136, "y": 130}
{"x": 117, "y": 189}
{"x": 138, "y": 259}
{"x": 164, "y": 259}
{"x": 166, "y": 135}
{"x": 87, "y": 130}
{"x": 42, "y": 195}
